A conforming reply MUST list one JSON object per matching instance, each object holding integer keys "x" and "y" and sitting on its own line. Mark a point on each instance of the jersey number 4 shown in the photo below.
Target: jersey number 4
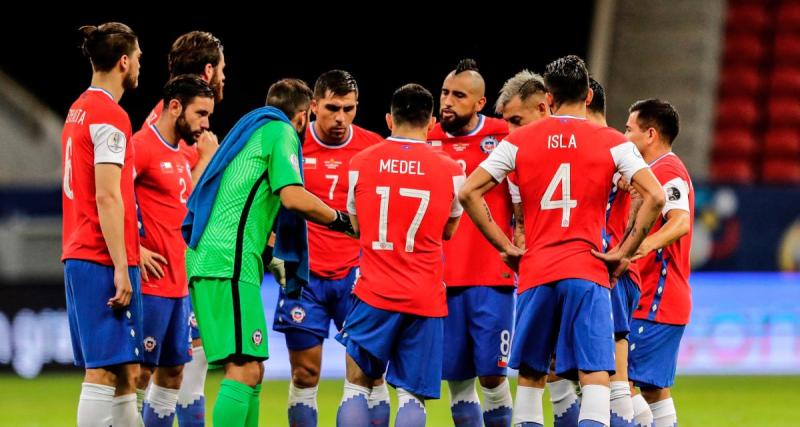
{"x": 382, "y": 244}
{"x": 562, "y": 177}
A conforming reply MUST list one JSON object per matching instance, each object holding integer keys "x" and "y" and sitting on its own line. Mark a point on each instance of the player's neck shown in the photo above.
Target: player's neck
{"x": 110, "y": 83}
{"x": 574, "y": 110}
{"x": 326, "y": 139}
{"x": 470, "y": 126}
{"x": 167, "y": 129}
{"x": 659, "y": 150}
{"x": 419, "y": 134}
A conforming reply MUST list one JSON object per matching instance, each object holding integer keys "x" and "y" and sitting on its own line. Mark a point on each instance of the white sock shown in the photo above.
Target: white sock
{"x": 404, "y": 396}
{"x": 497, "y": 397}
{"x": 163, "y": 400}
{"x": 351, "y": 390}
{"x": 596, "y": 404}
{"x": 621, "y": 403}
{"x": 664, "y": 413}
{"x": 562, "y": 396}
{"x": 140, "y": 396}
{"x": 123, "y": 411}
{"x": 94, "y": 405}
{"x": 306, "y": 396}
{"x": 642, "y": 415}
{"x": 380, "y": 394}
{"x": 528, "y": 406}
{"x": 463, "y": 391}
{"x": 194, "y": 378}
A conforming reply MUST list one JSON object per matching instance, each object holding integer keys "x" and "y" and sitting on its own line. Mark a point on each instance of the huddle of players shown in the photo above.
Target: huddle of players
{"x": 385, "y": 291}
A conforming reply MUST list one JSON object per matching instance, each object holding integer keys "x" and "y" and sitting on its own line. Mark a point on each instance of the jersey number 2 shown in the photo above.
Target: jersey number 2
{"x": 382, "y": 244}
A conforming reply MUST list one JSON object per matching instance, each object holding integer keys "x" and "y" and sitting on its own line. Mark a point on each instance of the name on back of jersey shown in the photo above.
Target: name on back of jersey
{"x": 557, "y": 141}
{"x": 76, "y": 115}
{"x": 404, "y": 167}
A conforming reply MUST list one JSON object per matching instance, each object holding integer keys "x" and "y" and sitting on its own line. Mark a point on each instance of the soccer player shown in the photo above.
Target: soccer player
{"x": 564, "y": 165}
{"x": 254, "y": 174}
{"x": 100, "y": 244}
{"x": 330, "y": 142}
{"x": 480, "y": 301}
{"x": 402, "y": 201}
{"x": 199, "y": 53}
{"x": 163, "y": 183}
{"x": 663, "y": 258}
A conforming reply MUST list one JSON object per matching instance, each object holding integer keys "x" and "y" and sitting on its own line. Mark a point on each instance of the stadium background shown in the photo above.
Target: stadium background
{"x": 731, "y": 68}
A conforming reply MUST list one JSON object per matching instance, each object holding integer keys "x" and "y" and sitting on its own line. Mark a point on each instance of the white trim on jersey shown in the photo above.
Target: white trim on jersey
{"x": 501, "y": 161}
{"x": 473, "y": 132}
{"x": 99, "y": 89}
{"x": 660, "y": 157}
{"x": 164, "y": 140}
{"x": 567, "y": 116}
{"x": 513, "y": 190}
{"x": 403, "y": 139}
{"x": 676, "y": 192}
{"x": 109, "y": 143}
{"x": 628, "y": 159}
{"x": 332, "y": 147}
{"x": 352, "y": 177}
{"x": 455, "y": 208}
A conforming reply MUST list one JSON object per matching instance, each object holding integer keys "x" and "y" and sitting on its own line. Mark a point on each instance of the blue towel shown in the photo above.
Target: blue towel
{"x": 291, "y": 237}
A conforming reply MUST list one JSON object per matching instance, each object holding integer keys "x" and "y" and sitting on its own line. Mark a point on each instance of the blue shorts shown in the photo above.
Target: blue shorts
{"x": 411, "y": 345}
{"x": 166, "y": 339}
{"x": 478, "y": 330}
{"x": 624, "y": 299}
{"x": 653, "y": 353}
{"x": 194, "y": 331}
{"x": 101, "y": 336}
{"x": 306, "y": 320}
{"x": 569, "y": 318}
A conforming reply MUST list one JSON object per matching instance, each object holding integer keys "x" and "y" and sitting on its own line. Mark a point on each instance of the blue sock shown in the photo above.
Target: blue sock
{"x": 590, "y": 423}
{"x": 411, "y": 410}
{"x": 354, "y": 410}
{"x": 302, "y": 406}
{"x": 193, "y": 414}
{"x": 464, "y": 404}
{"x": 151, "y": 419}
{"x": 497, "y": 406}
{"x": 566, "y": 405}
{"x": 379, "y": 406}
{"x": 617, "y": 421}
{"x": 568, "y": 418}
{"x": 159, "y": 406}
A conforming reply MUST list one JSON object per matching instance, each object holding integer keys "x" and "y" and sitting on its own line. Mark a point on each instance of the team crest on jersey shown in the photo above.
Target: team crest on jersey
{"x": 116, "y": 142}
{"x": 257, "y": 337}
{"x": 488, "y": 144}
{"x": 461, "y": 146}
{"x": 149, "y": 344}
{"x": 309, "y": 162}
{"x": 332, "y": 163}
{"x": 298, "y": 314}
{"x": 673, "y": 194}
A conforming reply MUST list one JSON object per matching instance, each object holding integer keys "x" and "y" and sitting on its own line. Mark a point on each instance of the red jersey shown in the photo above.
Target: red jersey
{"x": 163, "y": 183}
{"x": 403, "y": 193}
{"x": 666, "y": 295}
{"x": 617, "y": 214}
{"x": 564, "y": 167}
{"x": 97, "y": 130}
{"x": 189, "y": 151}
{"x": 468, "y": 248}
{"x": 331, "y": 254}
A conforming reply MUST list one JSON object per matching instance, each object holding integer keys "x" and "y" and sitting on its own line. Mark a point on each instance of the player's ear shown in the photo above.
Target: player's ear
{"x": 314, "y": 106}
{"x": 389, "y": 122}
{"x": 548, "y": 100}
{"x": 175, "y": 107}
{"x": 124, "y": 63}
{"x": 589, "y": 97}
{"x": 299, "y": 120}
{"x": 208, "y": 72}
{"x": 481, "y": 103}
{"x": 431, "y": 123}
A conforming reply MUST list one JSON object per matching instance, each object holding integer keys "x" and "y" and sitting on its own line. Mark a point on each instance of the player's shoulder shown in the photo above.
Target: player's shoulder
{"x": 276, "y": 129}
{"x": 142, "y": 137}
{"x": 103, "y": 110}
{"x": 365, "y": 137}
{"x": 670, "y": 166}
{"x": 493, "y": 126}
{"x": 449, "y": 164}
{"x": 437, "y": 133}
{"x": 373, "y": 151}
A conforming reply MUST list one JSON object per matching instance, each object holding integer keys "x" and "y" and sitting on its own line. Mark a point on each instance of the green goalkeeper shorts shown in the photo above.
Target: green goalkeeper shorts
{"x": 231, "y": 319}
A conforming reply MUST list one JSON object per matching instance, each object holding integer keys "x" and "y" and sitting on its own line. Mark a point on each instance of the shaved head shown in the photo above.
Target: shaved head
{"x": 469, "y": 79}
{"x": 462, "y": 97}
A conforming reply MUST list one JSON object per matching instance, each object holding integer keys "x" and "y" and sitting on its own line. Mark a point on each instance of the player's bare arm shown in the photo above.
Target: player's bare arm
{"x": 519, "y": 226}
{"x": 111, "y": 212}
{"x": 678, "y": 225}
{"x": 297, "y": 199}
{"x": 450, "y": 228}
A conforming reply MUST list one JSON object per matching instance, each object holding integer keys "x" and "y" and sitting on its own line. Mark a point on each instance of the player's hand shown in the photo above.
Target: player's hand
{"x": 643, "y": 250}
{"x": 122, "y": 283}
{"x": 149, "y": 264}
{"x": 342, "y": 224}
{"x": 207, "y": 144}
{"x": 623, "y": 184}
{"x": 277, "y": 268}
{"x": 616, "y": 261}
{"x": 511, "y": 257}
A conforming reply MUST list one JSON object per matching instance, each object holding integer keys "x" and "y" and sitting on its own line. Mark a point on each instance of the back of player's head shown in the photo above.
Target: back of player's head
{"x": 104, "y": 45}
{"x": 657, "y": 114}
{"x": 184, "y": 88}
{"x": 598, "y": 104}
{"x": 291, "y": 96}
{"x": 192, "y": 51}
{"x": 567, "y": 80}
{"x": 412, "y": 106}
{"x": 337, "y": 82}
{"x": 524, "y": 84}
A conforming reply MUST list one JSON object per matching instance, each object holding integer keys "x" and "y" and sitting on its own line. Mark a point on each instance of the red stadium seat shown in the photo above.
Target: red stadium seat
{"x": 787, "y": 49}
{"x": 747, "y": 17}
{"x": 744, "y": 49}
{"x": 734, "y": 143}
{"x": 785, "y": 81}
{"x": 784, "y": 112}
{"x": 782, "y": 143}
{"x": 737, "y": 111}
{"x": 788, "y": 17}
{"x": 732, "y": 172}
{"x": 780, "y": 171}
{"x": 740, "y": 80}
